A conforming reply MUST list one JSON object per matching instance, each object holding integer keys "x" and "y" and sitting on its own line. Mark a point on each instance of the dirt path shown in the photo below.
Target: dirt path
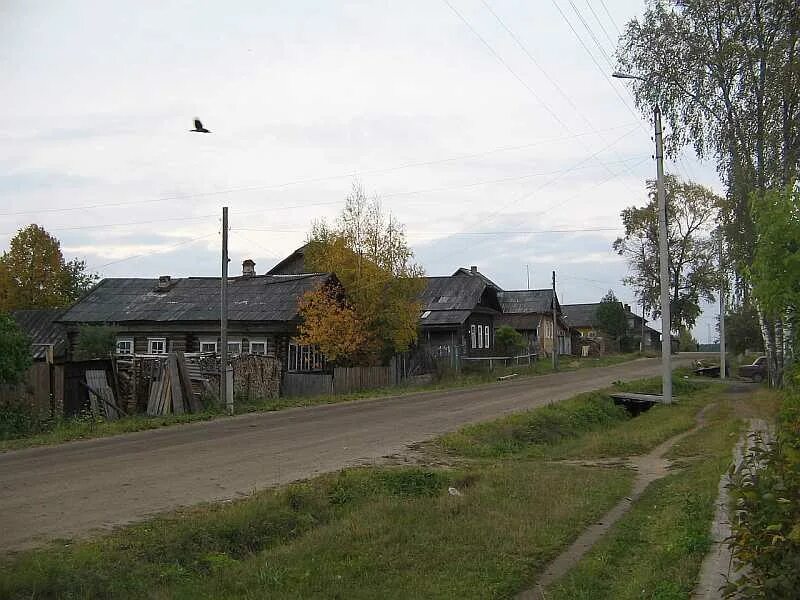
{"x": 649, "y": 468}
{"x": 717, "y": 567}
{"x": 72, "y": 489}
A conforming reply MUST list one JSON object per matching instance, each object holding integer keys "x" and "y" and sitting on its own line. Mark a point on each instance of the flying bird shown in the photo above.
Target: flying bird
{"x": 198, "y": 127}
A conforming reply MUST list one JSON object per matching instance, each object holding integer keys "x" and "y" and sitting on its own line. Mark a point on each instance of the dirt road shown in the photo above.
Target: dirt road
{"x": 72, "y": 489}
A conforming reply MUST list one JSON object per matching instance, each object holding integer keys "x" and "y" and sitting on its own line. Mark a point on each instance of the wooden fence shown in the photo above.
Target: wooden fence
{"x": 343, "y": 380}
{"x": 354, "y": 379}
{"x": 34, "y": 389}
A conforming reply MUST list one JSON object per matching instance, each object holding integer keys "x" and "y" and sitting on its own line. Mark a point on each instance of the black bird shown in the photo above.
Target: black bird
{"x": 198, "y": 127}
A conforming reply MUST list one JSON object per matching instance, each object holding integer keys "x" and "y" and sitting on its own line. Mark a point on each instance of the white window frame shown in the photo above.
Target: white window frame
{"x": 480, "y": 336}
{"x": 237, "y": 344}
{"x": 152, "y": 340}
{"x": 124, "y": 340}
{"x": 209, "y": 342}
{"x": 486, "y": 343}
{"x": 304, "y": 358}
{"x": 474, "y": 335}
{"x": 261, "y": 341}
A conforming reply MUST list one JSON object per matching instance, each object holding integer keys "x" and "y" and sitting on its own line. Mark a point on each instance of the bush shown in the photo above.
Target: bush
{"x": 508, "y": 341}
{"x": 95, "y": 341}
{"x": 766, "y": 527}
{"x": 19, "y": 419}
{"x": 15, "y": 350}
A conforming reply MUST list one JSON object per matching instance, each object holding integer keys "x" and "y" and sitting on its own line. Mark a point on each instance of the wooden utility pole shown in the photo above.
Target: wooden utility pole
{"x": 555, "y": 326}
{"x": 225, "y": 395}
{"x": 722, "y": 357}
{"x": 528, "y": 269}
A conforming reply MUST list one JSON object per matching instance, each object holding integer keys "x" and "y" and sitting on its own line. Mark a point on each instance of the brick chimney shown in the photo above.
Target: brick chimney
{"x": 248, "y": 268}
{"x": 164, "y": 281}
{"x": 473, "y": 269}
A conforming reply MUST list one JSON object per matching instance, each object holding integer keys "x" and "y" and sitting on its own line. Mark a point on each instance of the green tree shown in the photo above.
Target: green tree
{"x": 368, "y": 252}
{"x": 686, "y": 342}
{"x": 508, "y": 341}
{"x": 726, "y": 74}
{"x": 95, "y": 341}
{"x": 34, "y": 274}
{"x": 694, "y": 275}
{"x": 15, "y": 350}
{"x": 611, "y": 317}
{"x": 775, "y": 272}
{"x": 742, "y": 331}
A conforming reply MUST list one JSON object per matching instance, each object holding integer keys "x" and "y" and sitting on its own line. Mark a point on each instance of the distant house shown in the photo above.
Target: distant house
{"x": 294, "y": 264}
{"x": 531, "y": 313}
{"x": 458, "y": 316}
{"x": 156, "y": 316}
{"x": 48, "y": 337}
{"x": 583, "y": 318}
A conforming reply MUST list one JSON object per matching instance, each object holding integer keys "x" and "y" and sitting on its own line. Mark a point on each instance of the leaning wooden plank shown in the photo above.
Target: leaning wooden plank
{"x": 175, "y": 384}
{"x": 102, "y": 401}
{"x": 166, "y": 397}
{"x": 98, "y": 379}
{"x": 192, "y": 402}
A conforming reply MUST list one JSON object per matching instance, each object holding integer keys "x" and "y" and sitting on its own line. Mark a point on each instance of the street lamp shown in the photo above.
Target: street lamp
{"x": 663, "y": 254}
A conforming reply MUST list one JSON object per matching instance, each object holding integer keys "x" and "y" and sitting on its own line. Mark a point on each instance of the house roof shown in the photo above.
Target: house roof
{"x": 450, "y": 300}
{"x": 257, "y": 298}
{"x": 294, "y": 262}
{"x": 40, "y": 327}
{"x": 461, "y": 271}
{"x": 519, "y": 321}
{"x": 527, "y": 301}
{"x": 581, "y": 315}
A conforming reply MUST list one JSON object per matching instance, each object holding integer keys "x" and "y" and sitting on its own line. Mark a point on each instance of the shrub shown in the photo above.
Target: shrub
{"x": 15, "y": 350}
{"x": 95, "y": 341}
{"x": 766, "y": 527}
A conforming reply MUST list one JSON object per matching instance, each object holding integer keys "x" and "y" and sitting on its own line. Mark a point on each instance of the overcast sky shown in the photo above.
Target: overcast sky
{"x": 483, "y": 133}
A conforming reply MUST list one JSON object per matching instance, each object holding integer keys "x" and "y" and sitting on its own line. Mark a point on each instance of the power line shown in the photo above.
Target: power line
{"x": 161, "y": 251}
{"x": 600, "y": 23}
{"x": 591, "y": 34}
{"x": 514, "y": 73}
{"x": 458, "y": 233}
{"x": 610, "y": 18}
{"x": 402, "y": 166}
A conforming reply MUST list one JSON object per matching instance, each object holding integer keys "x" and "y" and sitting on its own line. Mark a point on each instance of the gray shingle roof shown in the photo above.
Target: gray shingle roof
{"x": 462, "y": 271}
{"x": 520, "y": 322}
{"x": 260, "y": 298}
{"x": 40, "y": 327}
{"x": 581, "y": 315}
{"x": 526, "y": 301}
{"x": 452, "y": 293}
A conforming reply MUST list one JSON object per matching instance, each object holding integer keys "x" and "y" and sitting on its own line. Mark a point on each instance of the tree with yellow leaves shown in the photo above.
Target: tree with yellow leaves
{"x": 368, "y": 252}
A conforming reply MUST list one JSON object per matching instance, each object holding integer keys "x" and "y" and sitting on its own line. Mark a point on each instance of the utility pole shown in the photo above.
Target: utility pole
{"x": 555, "y": 326}
{"x": 663, "y": 260}
{"x": 721, "y": 312}
{"x": 663, "y": 250}
{"x": 528, "y": 269}
{"x": 225, "y": 394}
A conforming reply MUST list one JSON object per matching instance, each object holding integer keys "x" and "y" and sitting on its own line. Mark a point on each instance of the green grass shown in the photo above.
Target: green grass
{"x": 391, "y": 532}
{"x": 587, "y": 426}
{"x": 86, "y": 428}
{"x": 655, "y": 551}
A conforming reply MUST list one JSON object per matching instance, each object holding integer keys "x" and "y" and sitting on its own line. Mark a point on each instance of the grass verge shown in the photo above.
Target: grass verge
{"x": 87, "y": 428}
{"x": 655, "y": 550}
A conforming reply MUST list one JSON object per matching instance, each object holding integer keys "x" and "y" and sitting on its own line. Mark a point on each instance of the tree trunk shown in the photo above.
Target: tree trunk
{"x": 768, "y": 333}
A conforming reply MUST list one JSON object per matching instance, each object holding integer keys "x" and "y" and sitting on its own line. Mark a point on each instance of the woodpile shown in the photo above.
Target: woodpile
{"x": 171, "y": 387}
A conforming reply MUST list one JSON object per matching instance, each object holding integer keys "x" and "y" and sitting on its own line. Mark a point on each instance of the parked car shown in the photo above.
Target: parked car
{"x": 757, "y": 371}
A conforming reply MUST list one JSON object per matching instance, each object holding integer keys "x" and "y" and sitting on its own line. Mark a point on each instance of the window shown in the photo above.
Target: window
{"x": 474, "y": 334}
{"x": 480, "y": 336}
{"x": 208, "y": 345}
{"x": 125, "y": 345}
{"x": 235, "y": 347}
{"x": 486, "y": 336}
{"x": 305, "y": 358}
{"x": 426, "y": 314}
{"x": 157, "y": 345}
{"x": 265, "y": 346}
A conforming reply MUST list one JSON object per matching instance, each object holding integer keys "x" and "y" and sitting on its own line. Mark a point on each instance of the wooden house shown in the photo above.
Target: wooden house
{"x": 583, "y": 318}
{"x": 156, "y": 316}
{"x": 531, "y": 313}
{"x": 458, "y": 316}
